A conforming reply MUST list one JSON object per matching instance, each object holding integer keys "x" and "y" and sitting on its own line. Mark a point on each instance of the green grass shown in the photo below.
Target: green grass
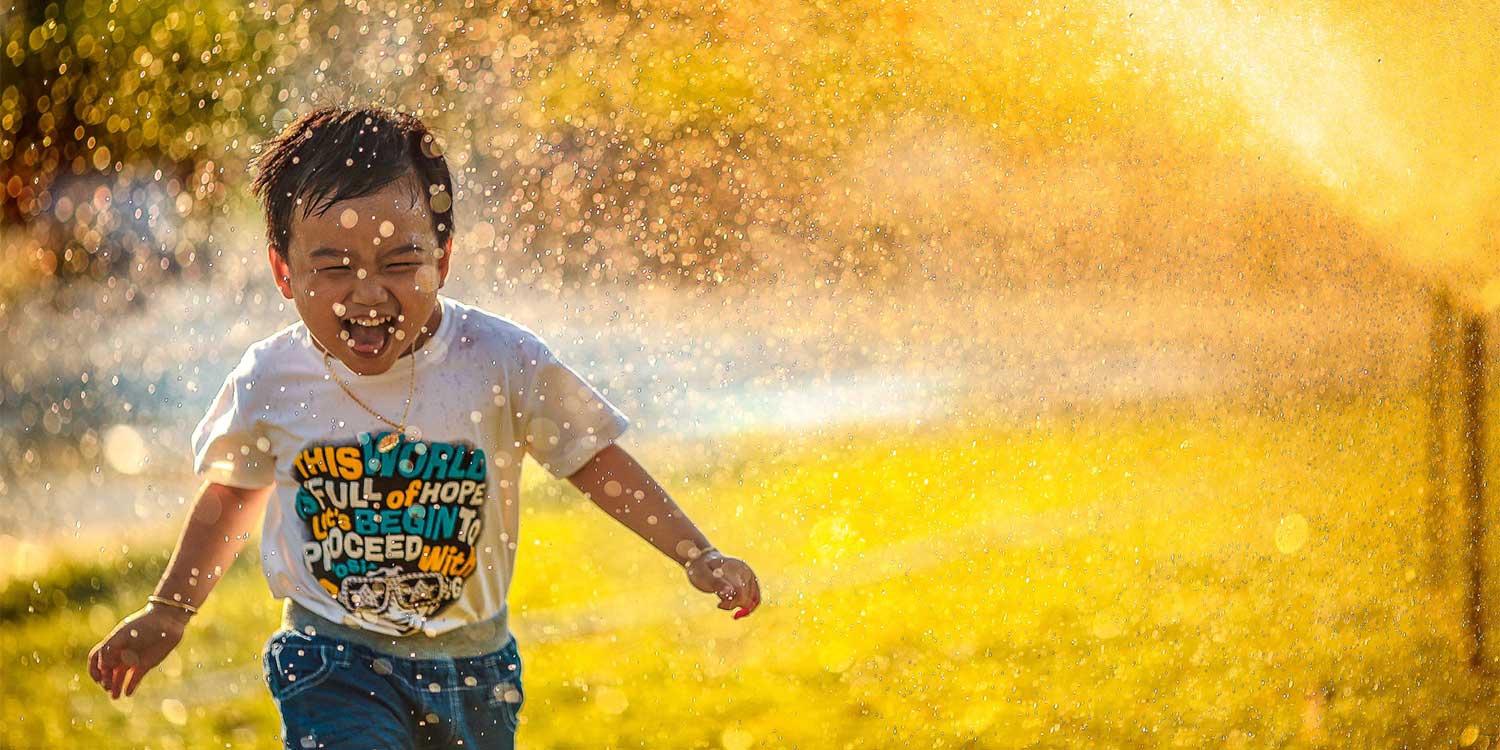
{"x": 1130, "y": 578}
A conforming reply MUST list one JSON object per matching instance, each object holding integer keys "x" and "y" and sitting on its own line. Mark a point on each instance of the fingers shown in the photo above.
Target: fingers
{"x": 135, "y": 679}
{"x": 94, "y": 670}
{"x": 117, "y": 680}
{"x": 736, "y": 586}
{"x": 732, "y": 593}
{"x": 740, "y": 590}
{"x": 754, "y": 599}
{"x": 102, "y": 667}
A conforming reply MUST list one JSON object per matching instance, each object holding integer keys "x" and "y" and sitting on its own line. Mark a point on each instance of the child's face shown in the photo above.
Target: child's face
{"x": 374, "y": 260}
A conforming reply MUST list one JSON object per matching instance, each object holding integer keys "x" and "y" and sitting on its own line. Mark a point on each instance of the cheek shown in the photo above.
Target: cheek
{"x": 320, "y": 299}
{"x": 427, "y": 279}
{"x": 324, "y": 290}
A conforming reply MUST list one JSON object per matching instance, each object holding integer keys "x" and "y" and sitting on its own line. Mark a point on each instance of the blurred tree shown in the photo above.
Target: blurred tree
{"x": 115, "y": 114}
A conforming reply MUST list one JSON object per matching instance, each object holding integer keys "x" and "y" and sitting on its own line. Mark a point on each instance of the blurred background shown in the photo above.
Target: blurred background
{"x": 1099, "y": 373}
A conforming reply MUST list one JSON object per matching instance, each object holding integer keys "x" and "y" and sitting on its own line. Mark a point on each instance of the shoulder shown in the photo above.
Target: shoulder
{"x": 492, "y": 333}
{"x": 273, "y": 353}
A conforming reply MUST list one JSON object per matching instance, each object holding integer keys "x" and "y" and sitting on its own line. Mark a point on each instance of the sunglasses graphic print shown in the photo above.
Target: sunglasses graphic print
{"x": 391, "y": 535}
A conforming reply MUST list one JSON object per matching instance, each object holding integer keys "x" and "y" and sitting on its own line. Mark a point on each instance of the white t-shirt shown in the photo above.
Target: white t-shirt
{"x": 422, "y": 538}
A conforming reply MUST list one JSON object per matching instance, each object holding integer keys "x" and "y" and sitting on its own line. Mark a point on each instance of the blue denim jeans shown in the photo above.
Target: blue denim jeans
{"x": 337, "y": 695}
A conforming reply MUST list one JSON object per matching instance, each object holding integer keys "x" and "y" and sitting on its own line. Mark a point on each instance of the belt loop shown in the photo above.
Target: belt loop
{"x": 345, "y": 651}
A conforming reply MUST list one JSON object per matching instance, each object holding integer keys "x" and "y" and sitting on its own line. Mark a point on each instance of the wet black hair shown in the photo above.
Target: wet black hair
{"x": 338, "y": 153}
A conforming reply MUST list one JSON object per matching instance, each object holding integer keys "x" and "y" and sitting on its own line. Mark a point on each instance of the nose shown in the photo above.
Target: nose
{"x": 369, "y": 292}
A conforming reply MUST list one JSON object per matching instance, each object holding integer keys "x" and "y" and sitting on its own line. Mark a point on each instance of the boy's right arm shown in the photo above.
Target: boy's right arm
{"x": 220, "y": 523}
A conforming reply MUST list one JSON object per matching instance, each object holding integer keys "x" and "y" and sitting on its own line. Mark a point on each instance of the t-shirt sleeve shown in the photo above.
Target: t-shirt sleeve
{"x": 230, "y": 445}
{"x": 566, "y": 420}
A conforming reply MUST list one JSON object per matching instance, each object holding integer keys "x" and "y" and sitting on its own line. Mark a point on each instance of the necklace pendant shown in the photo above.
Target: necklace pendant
{"x": 389, "y": 442}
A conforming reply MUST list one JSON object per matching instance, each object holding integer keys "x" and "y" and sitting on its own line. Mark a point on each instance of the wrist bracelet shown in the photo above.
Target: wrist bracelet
{"x": 190, "y": 609}
{"x": 701, "y": 553}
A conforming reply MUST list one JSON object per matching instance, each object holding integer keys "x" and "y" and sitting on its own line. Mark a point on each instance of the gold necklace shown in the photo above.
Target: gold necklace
{"x": 389, "y": 442}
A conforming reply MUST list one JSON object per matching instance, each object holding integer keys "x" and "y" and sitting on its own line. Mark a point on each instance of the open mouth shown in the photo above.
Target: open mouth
{"x": 368, "y": 336}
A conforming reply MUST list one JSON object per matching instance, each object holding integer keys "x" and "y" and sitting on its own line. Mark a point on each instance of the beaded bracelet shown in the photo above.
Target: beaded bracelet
{"x": 190, "y": 609}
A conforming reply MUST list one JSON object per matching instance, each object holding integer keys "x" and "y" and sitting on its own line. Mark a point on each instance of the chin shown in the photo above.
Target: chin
{"x": 366, "y": 366}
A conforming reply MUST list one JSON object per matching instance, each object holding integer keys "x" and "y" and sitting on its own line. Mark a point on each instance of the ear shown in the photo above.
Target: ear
{"x": 281, "y": 270}
{"x": 444, "y": 261}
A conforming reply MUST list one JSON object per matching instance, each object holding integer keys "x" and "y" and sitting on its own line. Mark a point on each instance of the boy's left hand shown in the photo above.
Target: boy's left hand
{"x": 730, "y": 578}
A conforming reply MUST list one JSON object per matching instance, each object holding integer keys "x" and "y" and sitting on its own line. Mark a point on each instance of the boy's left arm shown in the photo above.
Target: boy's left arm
{"x": 620, "y": 486}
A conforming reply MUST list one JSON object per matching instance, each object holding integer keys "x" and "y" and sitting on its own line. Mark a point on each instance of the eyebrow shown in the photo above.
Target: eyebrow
{"x": 332, "y": 253}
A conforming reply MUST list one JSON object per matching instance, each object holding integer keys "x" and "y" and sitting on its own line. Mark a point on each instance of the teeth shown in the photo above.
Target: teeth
{"x": 370, "y": 322}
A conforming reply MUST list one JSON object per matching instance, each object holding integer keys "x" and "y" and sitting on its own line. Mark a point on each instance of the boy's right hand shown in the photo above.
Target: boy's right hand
{"x": 135, "y": 647}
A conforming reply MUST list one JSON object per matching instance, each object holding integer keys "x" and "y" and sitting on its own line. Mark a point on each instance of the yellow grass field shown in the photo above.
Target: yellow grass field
{"x": 1173, "y": 575}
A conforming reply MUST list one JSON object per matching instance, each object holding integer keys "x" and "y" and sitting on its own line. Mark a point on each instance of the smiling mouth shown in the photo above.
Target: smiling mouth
{"x": 367, "y": 336}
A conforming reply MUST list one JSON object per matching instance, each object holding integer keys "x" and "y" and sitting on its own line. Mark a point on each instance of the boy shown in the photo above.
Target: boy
{"x": 383, "y": 436}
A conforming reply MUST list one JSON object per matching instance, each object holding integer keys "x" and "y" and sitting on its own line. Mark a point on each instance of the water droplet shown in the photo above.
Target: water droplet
{"x": 174, "y": 711}
{"x": 1291, "y": 534}
{"x": 1469, "y": 736}
{"x": 125, "y": 449}
{"x": 610, "y": 700}
{"x": 735, "y": 738}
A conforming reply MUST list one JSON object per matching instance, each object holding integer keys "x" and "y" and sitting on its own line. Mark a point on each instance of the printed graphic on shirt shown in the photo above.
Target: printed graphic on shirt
{"x": 391, "y": 535}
